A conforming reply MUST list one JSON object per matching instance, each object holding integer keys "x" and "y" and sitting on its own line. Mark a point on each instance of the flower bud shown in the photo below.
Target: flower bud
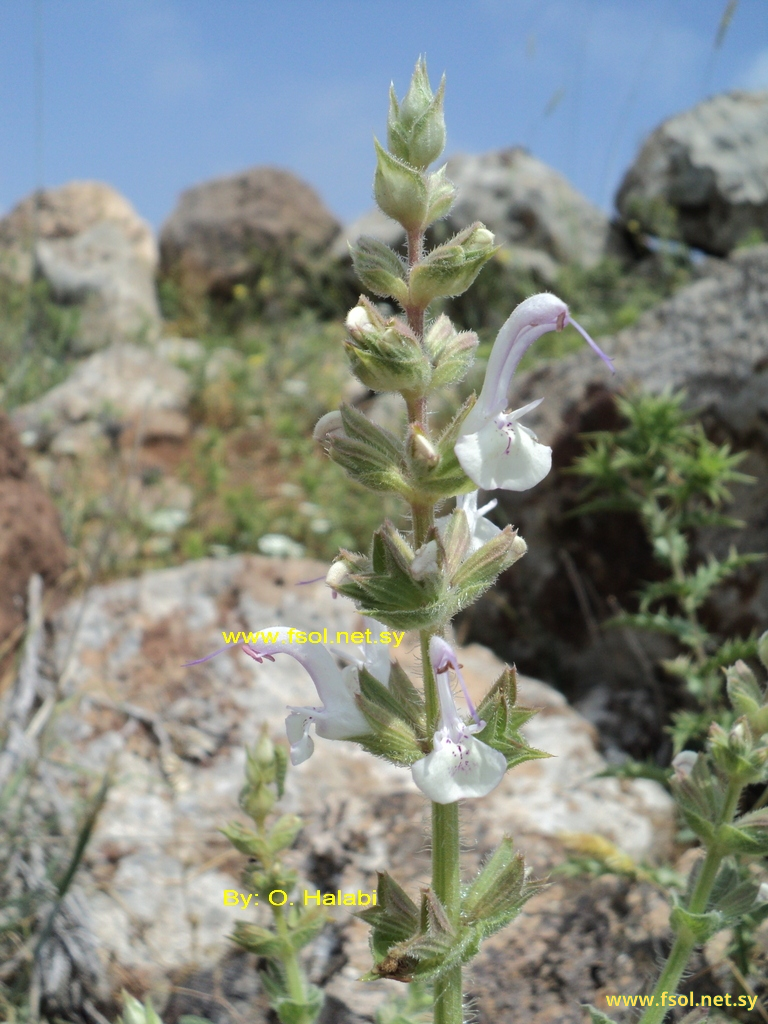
{"x": 441, "y": 194}
{"x": 421, "y": 448}
{"x": 762, "y": 649}
{"x": 683, "y": 764}
{"x": 328, "y": 426}
{"x": 380, "y": 269}
{"x": 452, "y": 354}
{"x": 387, "y": 355}
{"x": 425, "y": 561}
{"x": 451, "y": 268}
{"x": 264, "y": 751}
{"x": 337, "y": 575}
{"x": 400, "y": 190}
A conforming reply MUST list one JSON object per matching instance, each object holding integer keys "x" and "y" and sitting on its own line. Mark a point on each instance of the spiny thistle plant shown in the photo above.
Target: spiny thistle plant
{"x": 421, "y": 580}
{"x": 663, "y": 467}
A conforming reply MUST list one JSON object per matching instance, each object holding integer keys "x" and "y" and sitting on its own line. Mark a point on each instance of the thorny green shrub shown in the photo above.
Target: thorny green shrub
{"x": 663, "y": 467}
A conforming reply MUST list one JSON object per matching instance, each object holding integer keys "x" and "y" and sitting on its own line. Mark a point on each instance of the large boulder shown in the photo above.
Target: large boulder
{"x": 120, "y": 387}
{"x": 31, "y": 540}
{"x": 156, "y": 867}
{"x": 221, "y": 231}
{"x": 710, "y": 166}
{"x": 710, "y": 339}
{"x": 95, "y": 253}
{"x": 534, "y": 212}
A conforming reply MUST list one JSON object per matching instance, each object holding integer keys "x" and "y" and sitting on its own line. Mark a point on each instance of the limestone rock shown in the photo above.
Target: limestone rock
{"x": 66, "y": 212}
{"x": 31, "y": 540}
{"x": 710, "y": 164}
{"x": 710, "y": 339}
{"x": 95, "y": 252}
{"x": 99, "y": 271}
{"x": 156, "y": 866}
{"x": 221, "y": 229}
{"x": 124, "y": 384}
{"x": 533, "y": 211}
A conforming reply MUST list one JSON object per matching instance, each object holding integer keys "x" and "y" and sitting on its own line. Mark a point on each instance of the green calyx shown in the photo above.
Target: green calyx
{"x": 410, "y": 941}
{"x": 409, "y": 589}
{"x": 451, "y": 268}
{"x": 385, "y": 354}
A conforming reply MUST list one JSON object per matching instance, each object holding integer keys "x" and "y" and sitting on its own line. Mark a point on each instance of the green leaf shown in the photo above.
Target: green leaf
{"x": 499, "y": 892}
{"x": 503, "y": 718}
{"x": 307, "y": 927}
{"x": 258, "y": 940}
{"x": 700, "y": 927}
{"x": 597, "y": 1016}
{"x": 247, "y": 841}
{"x": 394, "y": 919}
{"x": 282, "y": 834}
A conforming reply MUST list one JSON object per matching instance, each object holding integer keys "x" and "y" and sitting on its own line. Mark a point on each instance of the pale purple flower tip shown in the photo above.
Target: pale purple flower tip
{"x": 595, "y": 347}
{"x": 199, "y": 661}
{"x": 444, "y": 657}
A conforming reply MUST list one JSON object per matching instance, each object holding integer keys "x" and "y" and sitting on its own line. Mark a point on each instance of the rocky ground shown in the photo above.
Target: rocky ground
{"x": 156, "y": 867}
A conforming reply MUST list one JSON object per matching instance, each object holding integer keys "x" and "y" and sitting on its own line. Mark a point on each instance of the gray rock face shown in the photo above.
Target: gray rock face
{"x": 124, "y": 383}
{"x": 710, "y": 164}
{"x": 221, "y": 228}
{"x": 157, "y": 866}
{"x": 96, "y": 253}
{"x": 531, "y": 209}
{"x": 66, "y": 212}
{"x": 99, "y": 271}
{"x": 710, "y": 339}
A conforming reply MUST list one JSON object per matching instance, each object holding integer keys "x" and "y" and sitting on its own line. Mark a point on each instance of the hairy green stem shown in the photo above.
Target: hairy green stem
{"x": 294, "y": 980}
{"x": 446, "y": 882}
{"x": 446, "y": 851}
{"x": 685, "y": 943}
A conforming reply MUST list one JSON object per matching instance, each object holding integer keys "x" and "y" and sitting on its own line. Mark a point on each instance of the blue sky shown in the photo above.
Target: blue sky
{"x": 155, "y": 95}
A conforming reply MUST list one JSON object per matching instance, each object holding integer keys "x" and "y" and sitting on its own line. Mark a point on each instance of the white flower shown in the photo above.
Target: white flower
{"x": 372, "y": 656}
{"x": 460, "y": 765}
{"x": 495, "y": 449}
{"x": 480, "y": 530}
{"x": 425, "y": 561}
{"x": 338, "y": 717}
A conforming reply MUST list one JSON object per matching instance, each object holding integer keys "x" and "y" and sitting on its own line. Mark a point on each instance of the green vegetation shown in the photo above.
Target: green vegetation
{"x": 663, "y": 467}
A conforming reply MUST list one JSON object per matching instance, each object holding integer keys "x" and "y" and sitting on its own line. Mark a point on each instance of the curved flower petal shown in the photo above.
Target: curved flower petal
{"x": 460, "y": 766}
{"x": 494, "y": 448}
{"x": 456, "y": 771}
{"x": 504, "y": 453}
{"x": 338, "y": 717}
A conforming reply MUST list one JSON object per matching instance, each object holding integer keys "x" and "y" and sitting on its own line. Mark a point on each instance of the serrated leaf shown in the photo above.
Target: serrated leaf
{"x": 394, "y": 919}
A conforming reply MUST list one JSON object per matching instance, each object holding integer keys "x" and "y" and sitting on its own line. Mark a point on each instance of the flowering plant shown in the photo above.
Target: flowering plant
{"x": 420, "y": 580}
